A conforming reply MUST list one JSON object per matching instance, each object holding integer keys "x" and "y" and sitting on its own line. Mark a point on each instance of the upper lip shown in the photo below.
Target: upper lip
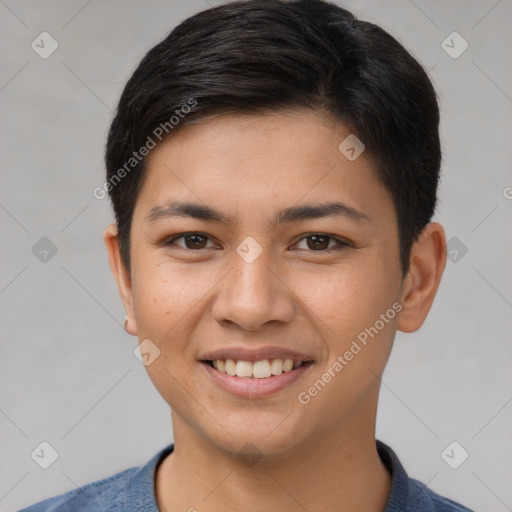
{"x": 254, "y": 354}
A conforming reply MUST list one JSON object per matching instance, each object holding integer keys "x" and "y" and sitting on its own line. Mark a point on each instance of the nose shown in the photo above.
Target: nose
{"x": 252, "y": 295}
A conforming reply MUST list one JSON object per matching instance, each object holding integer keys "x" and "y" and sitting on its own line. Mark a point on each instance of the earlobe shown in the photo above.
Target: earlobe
{"x": 428, "y": 260}
{"x": 121, "y": 275}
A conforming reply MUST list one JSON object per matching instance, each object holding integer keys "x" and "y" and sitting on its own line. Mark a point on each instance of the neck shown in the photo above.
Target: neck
{"x": 341, "y": 472}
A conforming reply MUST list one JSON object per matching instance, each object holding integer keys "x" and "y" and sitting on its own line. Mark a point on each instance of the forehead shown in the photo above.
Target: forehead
{"x": 250, "y": 161}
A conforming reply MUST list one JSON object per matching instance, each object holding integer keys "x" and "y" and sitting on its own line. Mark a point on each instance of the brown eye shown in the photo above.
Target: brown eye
{"x": 317, "y": 242}
{"x": 193, "y": 241}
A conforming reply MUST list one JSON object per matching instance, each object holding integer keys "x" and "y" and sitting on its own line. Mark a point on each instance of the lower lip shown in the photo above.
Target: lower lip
{"x": 250, "y": 387}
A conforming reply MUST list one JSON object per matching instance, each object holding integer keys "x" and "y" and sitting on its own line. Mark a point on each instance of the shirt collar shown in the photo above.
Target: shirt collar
{"x": 397, "y": 501}
{"x": 140, "y": 489}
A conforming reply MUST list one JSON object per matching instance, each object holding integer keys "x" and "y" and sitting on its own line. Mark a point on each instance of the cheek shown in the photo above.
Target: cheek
{"x": 166, "y": 302}
{"x": 347, "y": 309}
{"x": 163, "y": 295}
{"x": 346, "y": 299}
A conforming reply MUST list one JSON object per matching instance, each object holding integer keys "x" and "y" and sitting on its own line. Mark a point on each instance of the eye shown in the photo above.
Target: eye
{"x": 193, "y": 241}
{"x": 320, "y": 242}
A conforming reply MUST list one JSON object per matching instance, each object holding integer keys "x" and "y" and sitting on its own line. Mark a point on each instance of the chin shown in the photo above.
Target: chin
{"x": 258, "y": 435}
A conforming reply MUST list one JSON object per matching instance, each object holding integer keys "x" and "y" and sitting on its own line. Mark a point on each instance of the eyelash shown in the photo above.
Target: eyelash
{"x": 341, "y": 244}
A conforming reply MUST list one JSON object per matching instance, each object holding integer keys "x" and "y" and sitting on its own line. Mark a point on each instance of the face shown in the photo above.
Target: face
{"x": 251, "y": 274}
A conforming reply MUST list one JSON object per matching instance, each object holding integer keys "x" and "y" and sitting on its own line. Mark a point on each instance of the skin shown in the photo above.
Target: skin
{"x": 319, "y": 456}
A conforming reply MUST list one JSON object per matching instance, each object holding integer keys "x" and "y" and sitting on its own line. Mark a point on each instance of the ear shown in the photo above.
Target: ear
{"x": 428, "y": 260}
{"x": 121, "y": 274}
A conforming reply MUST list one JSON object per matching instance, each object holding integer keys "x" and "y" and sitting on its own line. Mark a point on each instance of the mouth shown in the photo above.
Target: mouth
{"x": 262, "y": 369}
{"x": 255, "y": 379}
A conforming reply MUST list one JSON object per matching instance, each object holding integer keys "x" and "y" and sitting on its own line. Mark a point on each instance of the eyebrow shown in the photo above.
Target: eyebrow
{"x": 291, "y": 214}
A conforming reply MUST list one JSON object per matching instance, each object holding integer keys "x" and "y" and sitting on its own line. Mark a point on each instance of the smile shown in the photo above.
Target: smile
{"x": 262, "y": 369}
{"x": 254, "y": 379}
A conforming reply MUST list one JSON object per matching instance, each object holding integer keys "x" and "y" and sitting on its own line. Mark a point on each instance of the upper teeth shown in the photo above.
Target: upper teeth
{"x": 258, "y": 369}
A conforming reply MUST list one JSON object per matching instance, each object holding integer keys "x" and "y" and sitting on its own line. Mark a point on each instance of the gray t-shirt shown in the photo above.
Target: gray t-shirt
{"x": 133, "y": 490}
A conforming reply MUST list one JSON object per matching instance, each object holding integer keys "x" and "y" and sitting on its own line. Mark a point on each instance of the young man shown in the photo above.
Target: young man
{"x": 273, "y": 169}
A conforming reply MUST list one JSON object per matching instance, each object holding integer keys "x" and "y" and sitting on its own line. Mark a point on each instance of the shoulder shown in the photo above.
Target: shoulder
{"x": 131, "y": 489}
{"x": 420, "y": 494}
{"x": 411, "y": 495}
{"x": 105, "y": 495}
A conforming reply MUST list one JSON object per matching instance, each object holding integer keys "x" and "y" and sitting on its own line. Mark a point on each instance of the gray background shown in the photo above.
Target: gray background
{"x": 68, "y": 373}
